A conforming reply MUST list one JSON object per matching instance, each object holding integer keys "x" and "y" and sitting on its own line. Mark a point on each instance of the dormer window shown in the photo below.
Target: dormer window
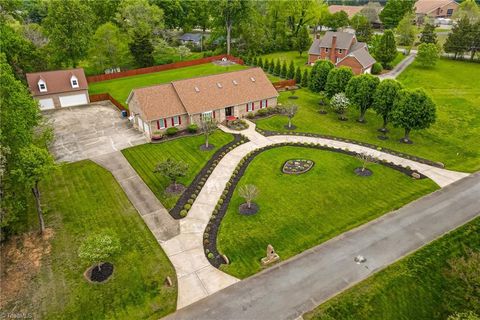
{"x": 42, "y": 86}
{"x": 74, "y": 82}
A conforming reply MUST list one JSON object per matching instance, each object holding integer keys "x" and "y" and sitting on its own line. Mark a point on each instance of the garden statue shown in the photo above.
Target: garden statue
{"x": 271, "y": 257}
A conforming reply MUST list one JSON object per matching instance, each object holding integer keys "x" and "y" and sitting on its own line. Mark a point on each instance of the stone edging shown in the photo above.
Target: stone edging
{"x": 269, "y": 133}
{"x": 191, "y": 192}
{"x": 211, "y": 230}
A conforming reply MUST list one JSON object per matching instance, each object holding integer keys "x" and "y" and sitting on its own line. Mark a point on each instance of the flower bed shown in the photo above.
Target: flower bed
{"x": 187, "y": 198}
{"x": 211, "y": 231}
{"x": 364, "y": 144}
{"x": 237, "y": 124}
{"x": 297, "y": 166}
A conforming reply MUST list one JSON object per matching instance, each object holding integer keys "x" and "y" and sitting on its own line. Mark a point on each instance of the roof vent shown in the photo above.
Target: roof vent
{"x": 235, "y": 82}
{"x": 252, "y": 78}
{"x": 197, "y": 90}
{"x": 219, "y": 84}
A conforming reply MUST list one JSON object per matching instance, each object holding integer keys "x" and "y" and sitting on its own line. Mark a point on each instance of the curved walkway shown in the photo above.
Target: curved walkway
{"x": 197, "y": 278}
{"x": 392, "y": 74}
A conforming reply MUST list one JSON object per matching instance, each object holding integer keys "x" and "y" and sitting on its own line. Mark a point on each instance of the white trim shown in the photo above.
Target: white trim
{"x": 74, "y": 82}
{"x": 40, "y": 83}
{"x": 177, "y": 122}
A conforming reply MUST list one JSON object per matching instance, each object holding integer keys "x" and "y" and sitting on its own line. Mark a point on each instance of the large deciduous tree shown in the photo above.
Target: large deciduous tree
{"x": 109, "y": 48}
{"x": 384, "y": 98}
{"x": 427, "y": 55}
{"x": 35, "y": 164}
{"x": 359, "y": 90}
{"x": 319, "y": 74}
{"x": 138, "y": 17}
{"x": 413, "y": 110}
{"x": 336, "y": 20}
{"x": 69, "y": 28}
{"x": 386, "y": 50}
{"x": 394, "y": 11}
{"x": 337, "y": 80}
{"x": 230, "y": 12}
{"x": 362, "y": 26}
{"x": 468, "y": 9}
{"x": 406, "y": 30}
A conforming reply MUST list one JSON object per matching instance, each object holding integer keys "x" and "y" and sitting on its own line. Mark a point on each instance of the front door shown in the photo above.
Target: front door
{"x": 228, "y": 111}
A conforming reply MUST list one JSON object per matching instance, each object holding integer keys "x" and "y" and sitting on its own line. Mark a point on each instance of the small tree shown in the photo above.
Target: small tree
{"x": 386, "y": 50}
{"x": 290, "y": 111}
{"x": 35, "y": 164}
{"x": 99, "y": 247}
{"x": 413, "y": 110}
{"x": 172, "y": 170}
{"x": 383, "y": 99}
{"x": 406, "y": 30}
{"x": 302, "y": 41}
{"x": 339, "y": 104}
{"x": 208, "y": 126}
{"x": 366, "y": 159}
{"x": 427, "y": 55}
{"x": 428, "y": 34}
{"x": 266, "y": 65}
{"x": 298, "y": 76}
{"x": 248, "y": 192}
{"x": 260, "y": 63}
{"x": 337, "y": 80}
{"x": 318, "y": 77}
{"x": 254, "y": 61}
{"x": 291, "y": 71}
{"x": 183, "y": 51}
{"x": 305, "y": 78}
{"x": 271, "y": 67}
{"x": 278, "y": 68}
{"x": 283, "y": 72}
{"x": 359, "y": 90}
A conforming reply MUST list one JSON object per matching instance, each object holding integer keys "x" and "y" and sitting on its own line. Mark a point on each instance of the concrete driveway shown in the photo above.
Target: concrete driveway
{"x": 91, "y": 131}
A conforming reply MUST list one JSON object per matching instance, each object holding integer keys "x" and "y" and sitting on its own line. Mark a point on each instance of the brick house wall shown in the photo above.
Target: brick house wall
{"x": 443, "y": 12}
{"x": 353, "y": 64}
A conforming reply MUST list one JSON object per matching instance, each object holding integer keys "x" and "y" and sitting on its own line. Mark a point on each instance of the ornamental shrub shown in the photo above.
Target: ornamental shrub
{"x": 192, "y": 128}
{"x": 377, "y": 68}
{"x": 172, "y": 131}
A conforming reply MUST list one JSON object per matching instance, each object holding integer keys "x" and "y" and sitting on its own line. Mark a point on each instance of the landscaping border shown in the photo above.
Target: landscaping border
{"x": 211, "y": 231}
{"x": 187, "y": 198}
{"x": 269, "y": 133}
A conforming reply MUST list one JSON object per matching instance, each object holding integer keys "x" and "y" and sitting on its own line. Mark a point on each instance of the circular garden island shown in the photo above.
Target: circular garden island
{"x": 299, "y": 211}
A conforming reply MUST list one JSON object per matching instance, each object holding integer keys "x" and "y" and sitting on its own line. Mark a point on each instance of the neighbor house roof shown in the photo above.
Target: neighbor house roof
{"x": 202, "y": 94}
{"x": 362, "y": 55}
{"x": 195, "y": 37}
{"x": 57, "y": 81}
{"x": 350, "y": 10}
{"x": 344, "y": 40}
{"x": 427, "y": 6}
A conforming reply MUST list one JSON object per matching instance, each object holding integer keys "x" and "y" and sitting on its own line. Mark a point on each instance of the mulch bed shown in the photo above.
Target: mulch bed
{"x": 192, "y": 191}
{"x": 368, "y": 145}
{"x": 363, "y": 173}
{"x": 100, "y": 274}
{"x": 172, "y": 189}
{"x": 203, "y": 147}
{"x": 292, "y": 127}
{"x": 179, "y": 134}
{"x": 246, "y": 211}
{"x": 211, "y": 231}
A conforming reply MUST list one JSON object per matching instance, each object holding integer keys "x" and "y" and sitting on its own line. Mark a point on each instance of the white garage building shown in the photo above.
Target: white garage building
{"x": 59, "y": 89}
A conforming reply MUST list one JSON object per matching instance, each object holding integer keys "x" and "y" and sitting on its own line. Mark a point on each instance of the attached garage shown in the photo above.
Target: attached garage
{"x": 73, "y": 100}
{"x": 46, "y": 104}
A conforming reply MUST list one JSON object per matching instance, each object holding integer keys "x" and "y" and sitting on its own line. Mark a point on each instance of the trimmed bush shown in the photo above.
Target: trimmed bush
{"x": 192, "y": 128}
{"x": 183, "y": 213}
{"x": 172, "y": 131}
{"x": 187, "y": 206}
{"x": 377, "y": 68}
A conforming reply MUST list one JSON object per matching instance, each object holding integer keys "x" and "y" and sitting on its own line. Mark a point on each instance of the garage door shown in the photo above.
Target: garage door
{"x": 75, "y": 100}
{"x": 46, "y": 104}
{"x": 146, "y": 128}
{"x": 140, "y": 124}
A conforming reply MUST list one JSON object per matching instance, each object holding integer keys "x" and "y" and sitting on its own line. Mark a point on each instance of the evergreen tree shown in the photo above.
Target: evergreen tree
{"x": 278, "y": 68}
{"x": 362, "y": 26}
{"x": 387, "y": 49}
{"x": 142, "y": 50}
{"x": 428, "y": 34}
{"x": 319, "y": 74}
{"x": 266, "y": 65}
{"x": 305, "y": 78}
{"x": 291, "y": 71}
{"x": 283, "y": 71}
{"x": 254, "y": 61}
{"x": 298, "y": 76}
{"x": 337, "y": 80}
{"x": 458, "y": 41}
{"x": 271, "y": 67}
{"x": 260, "y": 62}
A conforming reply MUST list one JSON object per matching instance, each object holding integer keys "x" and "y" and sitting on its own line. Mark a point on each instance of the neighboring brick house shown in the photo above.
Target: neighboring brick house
{"x": 434, "y": 9}
{"x": 60, "y": 88}
{"x": 343, "y": 49}
{"x": 182, "y": 102}
{"x": 349, "y": 10}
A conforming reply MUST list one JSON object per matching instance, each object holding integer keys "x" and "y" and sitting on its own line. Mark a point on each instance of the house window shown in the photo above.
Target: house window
{"x": 161, "y": 124}
{"x": 176, "y": 120}
{"x": 74, "y": 82}
{"x": 250, "y": 107}
{"x": 42, "y": 86}
{"x": 207, "y": 115}
{"x": 449, "y": 12}
{"x": 326, "y": 50}
{"x": 263, "y": 104}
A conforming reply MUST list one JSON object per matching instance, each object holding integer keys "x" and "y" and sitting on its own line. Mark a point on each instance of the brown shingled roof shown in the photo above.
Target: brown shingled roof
{"x": 57, "y": 81}
{"x": 350, "y": 10}
{"x": 427, "y": 6}
{"x": 202, "y": 94}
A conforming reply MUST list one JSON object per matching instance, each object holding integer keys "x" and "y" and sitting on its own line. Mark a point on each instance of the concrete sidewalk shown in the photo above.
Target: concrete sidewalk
{"x": 291, "y": 288}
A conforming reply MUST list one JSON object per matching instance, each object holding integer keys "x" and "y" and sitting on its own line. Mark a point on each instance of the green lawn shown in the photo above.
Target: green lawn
{"x": 79, "y": 199}
{"x": 310, "y": 208}
{"x": 400, "y": 56}
{"x": 120, "y": 88}
{"x": 453, "y": 139}
{"x": 144, "y": 158}
{"x": 417, "y": 287}
{"x": 299, "y": 61}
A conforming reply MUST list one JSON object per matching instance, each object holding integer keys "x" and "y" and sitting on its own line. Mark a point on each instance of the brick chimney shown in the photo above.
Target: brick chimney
{"x": 332, "y": 49}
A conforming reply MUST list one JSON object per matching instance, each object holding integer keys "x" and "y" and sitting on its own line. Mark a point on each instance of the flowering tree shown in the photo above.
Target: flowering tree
{"x": 98, "y": 247}
{"x": 339, "y": 104}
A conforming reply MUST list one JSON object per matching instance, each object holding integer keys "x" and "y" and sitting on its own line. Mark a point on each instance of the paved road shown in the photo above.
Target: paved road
{"x": 293, "y": 287}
